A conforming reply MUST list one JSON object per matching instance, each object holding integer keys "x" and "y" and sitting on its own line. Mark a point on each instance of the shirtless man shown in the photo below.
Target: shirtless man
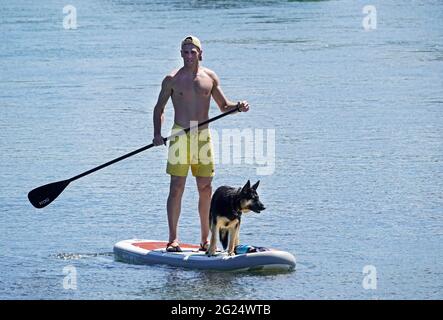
{"x": 190, "y": 89}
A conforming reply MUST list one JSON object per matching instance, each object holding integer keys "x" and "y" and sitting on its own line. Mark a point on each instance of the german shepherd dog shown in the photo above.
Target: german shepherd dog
{"x": 227, "y": 206}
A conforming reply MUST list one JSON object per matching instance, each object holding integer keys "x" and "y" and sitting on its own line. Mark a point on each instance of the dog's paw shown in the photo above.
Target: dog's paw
{"x": 210, "y": 253}
{"x": 231, "y": 254}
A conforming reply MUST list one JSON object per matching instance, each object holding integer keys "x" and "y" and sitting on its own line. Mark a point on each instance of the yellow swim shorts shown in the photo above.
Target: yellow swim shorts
{"x": 194, "y": 150}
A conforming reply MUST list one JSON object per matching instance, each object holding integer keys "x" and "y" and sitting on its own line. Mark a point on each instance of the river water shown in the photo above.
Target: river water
{"x": 355, "y": 191}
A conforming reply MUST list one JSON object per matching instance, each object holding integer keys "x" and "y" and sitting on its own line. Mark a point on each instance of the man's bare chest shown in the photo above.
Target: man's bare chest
{"x": 198, "y": 85}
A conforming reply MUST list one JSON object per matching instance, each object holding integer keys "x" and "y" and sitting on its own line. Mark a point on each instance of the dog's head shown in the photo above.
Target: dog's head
{"x": 249, "y": 200}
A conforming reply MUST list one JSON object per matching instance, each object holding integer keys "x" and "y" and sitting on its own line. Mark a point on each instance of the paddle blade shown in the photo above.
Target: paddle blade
{"x": 42, "y": 196}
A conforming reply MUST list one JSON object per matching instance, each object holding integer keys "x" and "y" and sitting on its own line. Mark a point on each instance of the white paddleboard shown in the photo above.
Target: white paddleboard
{"x": 151, "y": 252}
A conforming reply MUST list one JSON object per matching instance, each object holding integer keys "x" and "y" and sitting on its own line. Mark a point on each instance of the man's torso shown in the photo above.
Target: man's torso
{"x": 191, "y": 95}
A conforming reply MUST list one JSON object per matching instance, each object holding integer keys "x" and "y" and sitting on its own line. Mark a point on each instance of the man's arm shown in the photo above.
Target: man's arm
{"x": 222, "y": 101}
{"x": 158, "y": 116}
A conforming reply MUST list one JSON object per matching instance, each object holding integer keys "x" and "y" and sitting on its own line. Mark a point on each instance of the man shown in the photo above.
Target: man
{"x": 190, "y": 89}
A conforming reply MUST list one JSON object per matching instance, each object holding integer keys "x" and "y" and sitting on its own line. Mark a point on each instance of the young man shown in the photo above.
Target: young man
{"x": 190, "y": 89}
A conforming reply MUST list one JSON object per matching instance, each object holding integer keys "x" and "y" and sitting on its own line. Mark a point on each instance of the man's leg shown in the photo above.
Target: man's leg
{"x": 205, "y": 191}
{"x": 176, "y": 189}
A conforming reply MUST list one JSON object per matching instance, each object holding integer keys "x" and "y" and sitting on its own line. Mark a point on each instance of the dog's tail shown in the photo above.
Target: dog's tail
{"x": 223, "y": 235}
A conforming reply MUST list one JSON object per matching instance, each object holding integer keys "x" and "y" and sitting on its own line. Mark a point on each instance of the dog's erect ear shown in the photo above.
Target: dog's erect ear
{"x": 247, "y": 186}
{"x": 255, "y": 186}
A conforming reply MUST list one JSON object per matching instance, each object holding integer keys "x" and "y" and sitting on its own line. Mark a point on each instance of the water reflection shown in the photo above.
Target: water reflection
{"x": 204, "y": 4}
{"x": 188, "y": 284}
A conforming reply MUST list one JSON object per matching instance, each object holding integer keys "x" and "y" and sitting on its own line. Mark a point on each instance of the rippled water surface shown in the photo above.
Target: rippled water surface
{"x": 357, "y": 116}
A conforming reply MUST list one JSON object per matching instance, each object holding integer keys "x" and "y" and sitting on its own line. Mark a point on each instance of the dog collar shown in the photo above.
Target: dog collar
{"x": 237, "y": 205}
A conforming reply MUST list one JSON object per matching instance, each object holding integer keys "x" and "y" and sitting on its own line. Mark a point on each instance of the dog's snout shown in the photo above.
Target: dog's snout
{"x": 258, "y": 207}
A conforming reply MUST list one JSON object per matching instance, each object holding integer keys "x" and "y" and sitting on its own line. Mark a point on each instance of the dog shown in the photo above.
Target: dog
{"x": 227, "y": 206}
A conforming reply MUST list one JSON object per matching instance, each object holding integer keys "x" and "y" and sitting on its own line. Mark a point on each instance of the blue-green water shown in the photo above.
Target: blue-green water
{"x": 359, "y": 160}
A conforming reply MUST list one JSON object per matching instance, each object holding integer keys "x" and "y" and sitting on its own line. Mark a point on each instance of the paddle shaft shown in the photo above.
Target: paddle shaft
{"x": 150, "y": 146}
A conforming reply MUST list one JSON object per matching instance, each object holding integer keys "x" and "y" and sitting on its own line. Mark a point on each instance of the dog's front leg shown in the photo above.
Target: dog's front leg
{"x": 233, "y": 235}
{"x": 237, "y": 235}
{"x": 237, "y": 238}
{"x": 213, "y": 243}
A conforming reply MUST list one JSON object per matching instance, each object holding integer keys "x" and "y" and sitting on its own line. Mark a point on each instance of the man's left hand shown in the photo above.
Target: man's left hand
{"x": 243, "y": 106}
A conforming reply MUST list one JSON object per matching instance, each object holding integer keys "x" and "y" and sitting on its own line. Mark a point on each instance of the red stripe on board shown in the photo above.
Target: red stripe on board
{"x": 161, "y": 245}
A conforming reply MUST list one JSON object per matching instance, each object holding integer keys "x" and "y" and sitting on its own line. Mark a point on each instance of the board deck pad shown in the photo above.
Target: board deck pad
{"x": 153, "y": 252}
{"x": 154, "y": 245}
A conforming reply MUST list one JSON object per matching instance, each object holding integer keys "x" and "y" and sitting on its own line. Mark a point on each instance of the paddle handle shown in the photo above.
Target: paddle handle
{"x": 151, "y": 145}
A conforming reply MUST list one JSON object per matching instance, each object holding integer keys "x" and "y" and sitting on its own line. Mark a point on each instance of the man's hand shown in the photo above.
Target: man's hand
{"x": 243, "y": 106}
{"x": 158, "y": 140}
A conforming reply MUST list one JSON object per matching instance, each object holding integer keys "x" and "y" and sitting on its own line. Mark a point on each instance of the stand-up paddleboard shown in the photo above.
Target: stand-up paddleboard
{"x": 151, "y": 252}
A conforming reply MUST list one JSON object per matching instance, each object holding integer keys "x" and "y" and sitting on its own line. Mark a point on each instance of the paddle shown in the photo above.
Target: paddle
{"x": 42, "y": 196}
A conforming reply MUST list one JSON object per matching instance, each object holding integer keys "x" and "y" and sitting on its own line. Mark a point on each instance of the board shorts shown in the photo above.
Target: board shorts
{"x": 193, "y": 149}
